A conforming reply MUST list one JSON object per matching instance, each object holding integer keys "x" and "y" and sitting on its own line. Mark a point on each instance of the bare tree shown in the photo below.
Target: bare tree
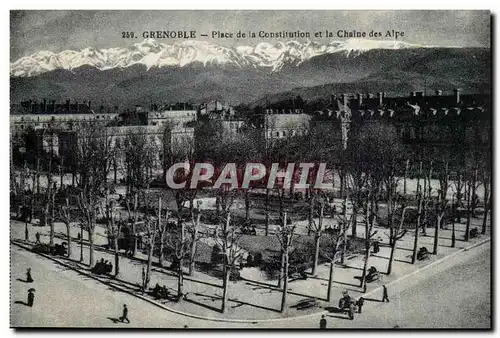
{"x": 93, "y": 153}
{"x": 195, "y": 237}
{"x": 440, "y": 205}
{"x": 420, "y": 205}
{"x": 286, "y": 237}
{"x": 162, "y": 231}
{"x": 65, "y": 215}
{"x": 487, "y": 186}
{"x": 179, "y": 243}
{"x": 338, "y": 246}
{"x": 397, "y": 233}
{"x": 372, "y": 198}
{"x": 114, "y": 229}
{"x": 317, "y": 228}
{"x": 471, "y": 185}
{"x": 228, "y": 239}
{"x": 152, "y": 224}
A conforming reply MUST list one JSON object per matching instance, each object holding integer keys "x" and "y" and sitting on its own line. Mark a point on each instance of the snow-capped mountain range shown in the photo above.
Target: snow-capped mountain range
{"x": 151, "y": 53}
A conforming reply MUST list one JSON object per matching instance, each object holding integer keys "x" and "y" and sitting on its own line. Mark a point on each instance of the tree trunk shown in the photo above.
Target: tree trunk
{"x": 310, "y": 215}
{"x": 37, "y": 176}
{"x": 317, "y": 238}
{"x": 282, "y": 269}
{"x": 453, "y": 238}
{"x": 217, "y": 207}
{"x": 285, "y": 281}
{"x": 134, "y": 235}
{"x": 150, "y": 262}
{"x": 267, "y": 212}
{"x": 365, "y": 265}
{"x": 391, "y": 257}
{"x": 81, "y": 243}
{"x": 91, "y": 246}
{"x": 330, "y": 281}
{"x": 52, "y": 216}
{"x": 417, "y": 231}
{"x": 180, "y": 280}
{"x": 117, "y": 254}
{"x": 160, "y": 254}
{"x": 485, "y": 220}
{"x": 354, "y": 220}
{"x": 192, "y": 261}
{"x": 436, "y": 234}
{"x": 247, "y": 205}
{"x": 469, "y": 214}
{"x": 225, "y": 284}
{"x": 486, "y": 201}
{"x": 68, "y": 237}
{"x": 115, "y": 169}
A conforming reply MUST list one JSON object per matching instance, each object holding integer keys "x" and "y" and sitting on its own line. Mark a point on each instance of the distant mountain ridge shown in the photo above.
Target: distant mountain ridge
{"x": 151, "y": 53}
{"x": 127, "y": 81}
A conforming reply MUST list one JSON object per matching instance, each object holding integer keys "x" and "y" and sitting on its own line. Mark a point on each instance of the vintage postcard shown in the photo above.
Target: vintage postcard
{"x": 250, "y": 169}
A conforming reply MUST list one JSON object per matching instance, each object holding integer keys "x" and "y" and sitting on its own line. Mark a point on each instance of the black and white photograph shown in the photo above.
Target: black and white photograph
{"x": 251, "y": 169}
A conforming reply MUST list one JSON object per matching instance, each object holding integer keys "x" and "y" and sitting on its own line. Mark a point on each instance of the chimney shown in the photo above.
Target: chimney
{"x": 53, "y": 105}
{"x": 345, "y": 99}
{"x": 67, "y": 105}
{"x": 89, "y": 105}
{"x": 360, "y": 99}
{"x": 456, "y": 92}
{"x": 380, "y": 97}
{"x": 77, "y": 107}
{"x": 333, "y": 99}
{"x": 44, "y": 106}
{"x": 439, "y": 92}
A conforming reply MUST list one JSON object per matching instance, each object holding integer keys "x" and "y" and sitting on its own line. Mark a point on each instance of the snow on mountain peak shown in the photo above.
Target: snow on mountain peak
{"x": 151, "y": 53}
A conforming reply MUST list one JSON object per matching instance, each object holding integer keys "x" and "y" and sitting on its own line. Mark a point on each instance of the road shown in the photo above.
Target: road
{"x": 453, "y": 294}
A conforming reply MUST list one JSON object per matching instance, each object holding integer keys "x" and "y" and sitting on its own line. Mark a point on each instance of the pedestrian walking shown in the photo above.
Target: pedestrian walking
{"x": 125, "y": 314}
{"x": 31, "y": 297}
{"x": 322, "y": 322}
{"x": 351, "y": 311}
{"x": 28, "y": 276}
{"x": 360, "y": 303}
{"x": 37, "y": 236}
{"x": 385, "y": 296}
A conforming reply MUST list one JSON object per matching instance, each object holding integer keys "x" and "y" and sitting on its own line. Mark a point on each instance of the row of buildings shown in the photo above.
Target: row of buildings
{"x": 429, "y": 124}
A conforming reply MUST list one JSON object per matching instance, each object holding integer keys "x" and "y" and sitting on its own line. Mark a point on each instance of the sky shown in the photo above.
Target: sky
{"x": 33, "y": 31}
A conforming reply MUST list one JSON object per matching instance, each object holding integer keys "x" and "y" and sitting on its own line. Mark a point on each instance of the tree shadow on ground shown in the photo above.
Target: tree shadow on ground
{"x": 275, "y": 288}
{"x": 348, "y": 284}
{"x": 22, "y": 280}
{"x": 333, "y": 309}
{"x": 21, "y": 302}
{"x": 352, "y": 267}
{"x": 378, "y": 256}
{"x": 402, "y": 261}
{"x": 339, "y": 317}
{"x": 241, "y": 303}
{"x": 213, "y": 298}
{"x": 405, "y": 249}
